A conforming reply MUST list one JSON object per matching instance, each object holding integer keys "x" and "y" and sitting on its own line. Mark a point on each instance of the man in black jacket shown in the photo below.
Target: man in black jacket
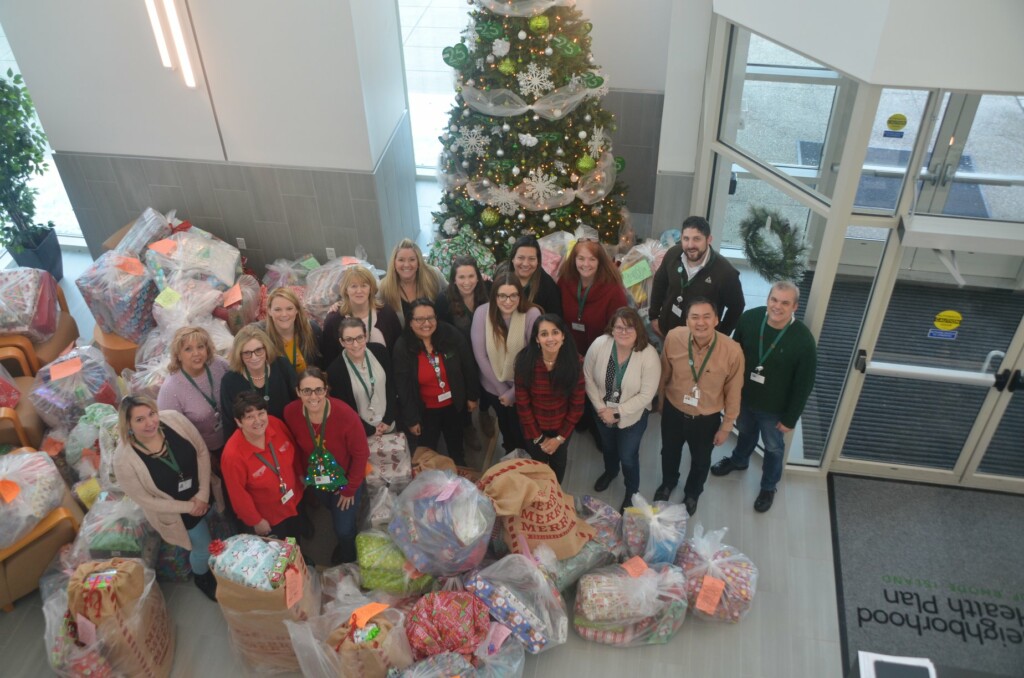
{"x": 694, "y": 269}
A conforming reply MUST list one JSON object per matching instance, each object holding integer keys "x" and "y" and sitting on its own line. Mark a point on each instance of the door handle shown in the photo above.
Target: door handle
{"x": 1002, "y": 380}
{"x": 1015, "y": 381}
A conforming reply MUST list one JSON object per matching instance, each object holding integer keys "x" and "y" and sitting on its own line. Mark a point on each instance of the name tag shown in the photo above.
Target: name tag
{"x": 578, "y": 327}
{"x": 690, "y": 400}
{"x": 447, "y": 395}
{"x": 185, "y": 484}
{"x": 322, "y": 480}
{"x": 757, "y": 377}
{"x": 678, "y": 311}
{"x": 287, "y": 496}
{"x": 611, "y": 405}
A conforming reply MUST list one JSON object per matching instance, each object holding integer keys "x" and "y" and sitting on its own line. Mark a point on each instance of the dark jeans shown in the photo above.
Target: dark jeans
{"x": 289, "y": 527}
{"x": 447, "y": 421}
{"x": 344, "y": 521}
{"x": 698, "y": 433}
{"x": 508, "y": 422}
{"x": 556, "y": 461}
{"x": 622, "y": 446}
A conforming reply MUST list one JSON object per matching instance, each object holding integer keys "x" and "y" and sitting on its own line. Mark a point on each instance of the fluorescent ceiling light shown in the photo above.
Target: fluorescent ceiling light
{"x": 179, "y": 43}
{"x": 158, "y": 34}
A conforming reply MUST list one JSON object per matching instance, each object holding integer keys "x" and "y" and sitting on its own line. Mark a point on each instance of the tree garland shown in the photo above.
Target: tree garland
{"x": 785, "y": 262}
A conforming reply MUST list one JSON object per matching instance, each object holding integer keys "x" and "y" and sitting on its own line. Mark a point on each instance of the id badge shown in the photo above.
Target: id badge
{"x": 322, "y": 480}
{"x": 217, "y": 425}
{"x": 185, "y": 484}
{"x": 579, "y": 327}
{"x": 447, "y": 395}
{"x": 678, "y": 311}
{"x": 757, "y": 377}
{"x": 611, "y": 405}
{"x": 690, "y": 400}
{"x": 287, "y": 496}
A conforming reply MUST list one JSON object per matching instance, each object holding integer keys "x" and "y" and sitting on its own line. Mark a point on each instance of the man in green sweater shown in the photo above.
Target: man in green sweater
{"x": 781, "y": 359}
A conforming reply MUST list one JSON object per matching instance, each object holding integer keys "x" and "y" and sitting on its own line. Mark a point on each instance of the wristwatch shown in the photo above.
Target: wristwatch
{"x": 560, "y": 439}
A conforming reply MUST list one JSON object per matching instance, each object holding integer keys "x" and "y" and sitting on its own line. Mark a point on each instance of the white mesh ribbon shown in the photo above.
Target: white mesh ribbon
{"x": 596, "y": 184}
{"x": 505, "y": 103}
{"x": 449, "y": 180}
{"x": 522, "y": 7}
{"x": 593, "y": 187}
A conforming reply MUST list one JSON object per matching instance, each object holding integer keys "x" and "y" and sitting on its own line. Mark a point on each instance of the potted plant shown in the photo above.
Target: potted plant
{"x": 22, "y": 154}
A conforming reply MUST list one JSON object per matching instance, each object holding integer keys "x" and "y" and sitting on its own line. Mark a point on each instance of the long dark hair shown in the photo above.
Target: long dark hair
{"x": 528, "y": 241}
{"x": 503, "y": 279}
{"x": 455, "y": 304}
{"x": 567, "y": 365}
{"x": 414, "y": 343}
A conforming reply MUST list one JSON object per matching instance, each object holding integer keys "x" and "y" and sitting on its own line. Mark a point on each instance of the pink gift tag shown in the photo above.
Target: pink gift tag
{"x": 496, "y": 636}
{"x": 448, "y": 490}
{"x": 86, "y": 630}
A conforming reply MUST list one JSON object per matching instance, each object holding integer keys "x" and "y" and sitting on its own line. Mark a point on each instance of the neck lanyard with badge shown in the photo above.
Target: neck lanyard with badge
{"x": 757, "y": 375}
{"x": 208, "y": 398}
{"x": 694, "y": 398}
{"x": 266, "y": 381}
{"x": 295, "y": 352}
{"x": 685, "y": 282}
{"x": 581, "y": 300}
{"x": 368, "y": 390}
{"x": 620, "y": 371}
{"x": 435, "y": 361}
{"x": 171, "y": 462}
{"x": 286, "y": 494}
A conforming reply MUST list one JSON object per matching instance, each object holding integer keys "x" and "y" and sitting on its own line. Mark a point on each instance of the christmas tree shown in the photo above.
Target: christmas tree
{"x": 527, "y": 148}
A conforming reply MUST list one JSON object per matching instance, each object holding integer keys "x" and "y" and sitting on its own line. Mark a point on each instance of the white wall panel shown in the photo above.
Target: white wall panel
{"x": 378, "y": 45}
{"x": 630, "y": 41}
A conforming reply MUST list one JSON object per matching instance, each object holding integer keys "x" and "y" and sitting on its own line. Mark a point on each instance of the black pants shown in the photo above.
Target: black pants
{"x": 508, "y": 422}
{"x": 556, "y": 461}
{"x": 698, "y": 433}
{"x": 447, "y": 421}
{"x": 289, "y": 527}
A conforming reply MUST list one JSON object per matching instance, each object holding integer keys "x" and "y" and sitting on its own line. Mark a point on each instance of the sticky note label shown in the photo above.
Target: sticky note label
{"x": 65, "y": 368}
{"x": 448, "y": 491}
{"x": 635, "y": 566}
{"x": 233, "y": 295}
{"x": 131, "y": 266}
{"x": 9, "y": 490}
{"x": 710, "y": 593}
{"x": 637, "y": 273}
{"x": 86, "y": 630}
{"x": 309, "y": 263}
{"x": 362, "y": 616}
{"x": 165, "y": 247}
{"x": 168, "y": 298}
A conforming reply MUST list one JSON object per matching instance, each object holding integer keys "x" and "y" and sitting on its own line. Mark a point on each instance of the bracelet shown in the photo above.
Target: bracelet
{"x": 536, "y": 441}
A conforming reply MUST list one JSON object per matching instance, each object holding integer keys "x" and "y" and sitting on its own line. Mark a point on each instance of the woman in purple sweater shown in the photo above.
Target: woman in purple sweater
{"x": 193, "y": 385}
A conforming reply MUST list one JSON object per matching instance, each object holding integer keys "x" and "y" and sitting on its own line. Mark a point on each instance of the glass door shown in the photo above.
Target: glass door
{"x": 998, "y": 462}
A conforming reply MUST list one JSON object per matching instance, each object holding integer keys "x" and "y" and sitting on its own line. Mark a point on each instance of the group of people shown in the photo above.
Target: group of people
{"x": 420, "y": 353}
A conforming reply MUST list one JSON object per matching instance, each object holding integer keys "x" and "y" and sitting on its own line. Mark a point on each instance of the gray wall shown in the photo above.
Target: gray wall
{"x": 638, "y": 118}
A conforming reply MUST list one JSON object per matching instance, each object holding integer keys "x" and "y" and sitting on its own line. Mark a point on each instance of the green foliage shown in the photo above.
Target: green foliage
{"x": 22, "y": 154}
{"x": 784, "y": 261}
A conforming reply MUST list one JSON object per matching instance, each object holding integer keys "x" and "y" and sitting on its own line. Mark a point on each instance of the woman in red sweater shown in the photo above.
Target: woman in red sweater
{"x": 591, "y": 290}
{"x": 333, "y": 451}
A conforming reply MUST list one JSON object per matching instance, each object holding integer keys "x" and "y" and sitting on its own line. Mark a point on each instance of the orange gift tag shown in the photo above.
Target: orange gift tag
{"x": 131, "y": 266}
{"x": 165, "y": 247}
{"x": 65, "y": 369}
{"x": 292, "y": 587}
{"x": 349, "y": 261}
{"x": 92, "y": 456}
{"x": 369, "y": 468}
{"x": 363, "y": 615}
{"x": 635, "y": 566}
{"x": 9, "y": 490}
{"x": 710, "y": 593}
{"x": 52, "y": 446}
{"x": 233, "y": 295}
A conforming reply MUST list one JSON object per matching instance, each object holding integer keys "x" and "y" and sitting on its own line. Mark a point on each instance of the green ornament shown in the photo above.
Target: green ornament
{"x": 539, "y": 24}
{"x": 566, "y": 46}
{"x": 507, "y": 66}
{"x": 585, "y": 164}
{"x": 490, "y": 217}
{"x": 455, "y": 56}
{"x": 593, "y": 81}
{"x": 489, "y": 30}
{"x": 587, "y": 26}
{"x": 620, "y": 163}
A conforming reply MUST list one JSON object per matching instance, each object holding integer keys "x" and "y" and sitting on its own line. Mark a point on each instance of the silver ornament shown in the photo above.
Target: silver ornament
{"x": 506, "y": 127}
{"x": 522, "y": 35}
{"x": 500, "y": 153}
{"x": 582, "y": 134}
{"x": 536, "y": 118}
{"x": 516, "y": 171}
{"x": 587, "y": 118}
{"x": 521, "y": 217}
{"x": 559, "y": 151}
{"x": 548, "y": 51}
{"x": 465, "y": 164}
{"x": 486, "y": 182}
{"x": 546, "y": 217}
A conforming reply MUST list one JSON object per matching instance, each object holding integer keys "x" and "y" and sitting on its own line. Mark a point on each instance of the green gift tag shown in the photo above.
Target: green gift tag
{"x": 620, "y": 163}
{"x": 455, "y": 56}
{"x": 593, "y": 81}
{"x": 490, "y": 30}
{"x": 309, "y": 263}
{"x": 636, "y": 273}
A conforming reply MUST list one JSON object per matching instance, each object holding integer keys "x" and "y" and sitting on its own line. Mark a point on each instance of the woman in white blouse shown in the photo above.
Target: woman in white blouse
{"x": 361, "y": 377}
{"x": 622, "y": 371}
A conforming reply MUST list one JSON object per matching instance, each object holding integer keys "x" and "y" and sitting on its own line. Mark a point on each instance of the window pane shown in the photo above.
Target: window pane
{"x": 993, "y": 155}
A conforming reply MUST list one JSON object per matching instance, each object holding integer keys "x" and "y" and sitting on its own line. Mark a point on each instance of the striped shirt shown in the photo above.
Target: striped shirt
{"x": 544, "y": 408}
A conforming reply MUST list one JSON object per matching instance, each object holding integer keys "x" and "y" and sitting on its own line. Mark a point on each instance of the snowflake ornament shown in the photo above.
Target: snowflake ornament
{"x": 473, "y": 140}
{"x": 500, "y": 47}
{"x": 471, "y": 34}
{"x": 451, "y": 226}
{"x": 535, "y": 80}
{"x": 596, "y": 143}
{"x": 561, "y": 167}
{"x": 528, "y": 140}
{"x": 540, "y": 186}
{"x": 504, "y": 200}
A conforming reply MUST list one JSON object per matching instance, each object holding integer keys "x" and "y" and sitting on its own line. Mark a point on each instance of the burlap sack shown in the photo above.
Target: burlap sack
{"x": 426, "y": 459}
{"x": 373, "y": 659}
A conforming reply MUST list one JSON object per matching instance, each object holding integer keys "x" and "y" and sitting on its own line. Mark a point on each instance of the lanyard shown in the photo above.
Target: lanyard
{"x": 169, "y": 461}
{"x": 620, "y": 371}
{"x": 581, "y": 299}
{"x": 295, "y": 355}
{"x": 435, "y": 361}
{"x": 697, "y": 375}
{"x": 208, "y": 398}
{"x": 686, "y": 282}
{"x": 369, "y": 369}
{"x": 760, "y": 339}
{"x": 318, "y": 440}
{"x": 276, "y": 468}
{"x": 266, "y": 381}
{"x": 369, "y": 321}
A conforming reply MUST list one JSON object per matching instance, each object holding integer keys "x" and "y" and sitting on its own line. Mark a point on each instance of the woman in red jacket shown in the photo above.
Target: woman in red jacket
{"x": 591, "y": 290}
{"x": 333, "y": 451}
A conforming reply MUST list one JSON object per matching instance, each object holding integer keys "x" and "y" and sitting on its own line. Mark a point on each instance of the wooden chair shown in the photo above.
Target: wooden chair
{"x": 21, "y": 425}
{"x": 46, "y": 352}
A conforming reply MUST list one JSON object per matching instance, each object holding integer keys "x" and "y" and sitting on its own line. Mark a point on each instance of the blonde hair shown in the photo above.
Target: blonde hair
{"x": 182, "y": 338}
{"x": 303, "y": 330}
{"x": 244, "y": 336}
{"x": 426, "y": 282}
{"x": 351, "y": 276}
{"x": 124, "y": 415}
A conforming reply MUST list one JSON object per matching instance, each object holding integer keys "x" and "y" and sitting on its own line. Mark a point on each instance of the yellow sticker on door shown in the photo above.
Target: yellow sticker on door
{"x": 948, "y": 320}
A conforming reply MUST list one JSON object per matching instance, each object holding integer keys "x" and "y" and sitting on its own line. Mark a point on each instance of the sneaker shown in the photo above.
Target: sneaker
{"x": 691, "y": 504}
{"x": 726, "y": 466}
{"x": 206, "y": 583}
{"x": 764, "y": 500}
{"x": 603, "y": 482}
{"x": 663, "y": 492}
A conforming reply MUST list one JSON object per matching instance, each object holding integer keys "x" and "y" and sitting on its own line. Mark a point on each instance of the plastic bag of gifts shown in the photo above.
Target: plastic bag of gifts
{"x": 116, "y": 527}
{"x": 82, "y": 448}
{"x": 261, "y": 584}
{"x": 631, "y": 604}
{"x": 447, "y": 621}
{"x": 149, "y": 227}
{"x": 28, "y": 303}
{"x": 638, "y": 267}
{"x": 118, "y": 609}
{"x": 442, "y": 523}
{"x": 119, "y": 292}
{"x": 501, "y": 657}
{"x": 720, "y": 581}
{"x": 565, "y": 573}
{"x": 606, "y": 521}
{"x": 289, "y": 273}
{"x": 389, "y": 459}
{"x": 193, "y": 255}
{"x": 242, "y": 303}
{"x": 186, "y": 303}
{"x": 354, "y": 638}
{"x": 30, "y": 488}
{"x": 654, "y": 531}
{"x": 378, "y": 507}
{"x": 64, "y": 388}
{"x": 383, "y": 566}
{"x": 521, "y": 597}
{"x": 464, "y": 243}
{"x": 553, "y": 249}
{"x": 10, "y": 396}
{"x": 146, "y": 379}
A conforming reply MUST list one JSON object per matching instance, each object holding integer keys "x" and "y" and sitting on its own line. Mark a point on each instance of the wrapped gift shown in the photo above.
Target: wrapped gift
{"x": 606, "y": 521}
{"x": 520, "y": 597}
{"x": 146, "y": 379}
{"x": 654, "y": 531}
{"x": 464, "y": 243}
{"x": 383, "y": 566}
{"x": 69, "y": 655}
{"x": 149, "y": 227}
{"x": 565, "y": 573}
{"x": 389, "y": 457}
{"x": 28, "y": 303}
{"x": 193, "y": 255}
{"x": 447, "y": 621}
{"x": 119, "y": 292}
{"x": 253, "y": 561}
{"x": 442, "y": 523}
{"x": 30, "y": 488}
{"x": 730, "y": 576}
{"x": 10, "y": 396}
{"x": 64, "y": 388}
{"x": 116, "y": 527}
{"x": 85, "y": 436}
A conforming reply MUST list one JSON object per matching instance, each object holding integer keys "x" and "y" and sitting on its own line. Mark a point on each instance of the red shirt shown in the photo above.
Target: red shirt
{"x": 544, "y": 408}
{"x": 254, "y": 488}
{"x": 602, "y": 300}
{"x": 345, "y": 439}
{"x": 429, "y": 388}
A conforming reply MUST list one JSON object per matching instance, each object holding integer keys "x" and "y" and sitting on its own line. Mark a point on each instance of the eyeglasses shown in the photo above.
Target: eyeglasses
{"x": 306, "y": 392}
{"x": 349, "y": 341}
{"x": 425, "y": 321}
{"x": 508, "y": 297}
{"x": 623, "y": 329}
{"x": 255, "y": 353}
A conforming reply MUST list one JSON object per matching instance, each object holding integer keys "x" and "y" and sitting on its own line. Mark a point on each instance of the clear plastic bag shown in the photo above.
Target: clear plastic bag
{"x": 565, "y": 573}
{"x": 61, "y": 402}
{"x": 146, "y": 379}
{"x": 442, "y": 523}
{"x": 389, "y": 457}
{"x": 85, "y": 436}
{"x": 606, "y": 521}
{"x": 116, "y": 528}
{"x": 109, "y": 440}
{"x": 28, "y": 303}
{"x": 322, "y": 284}
{"x": 149, "y": 227}
{"x": 33, "y": 487}
{"x": 444, "y": 664}
{"x": 70, "y": 657}
{"x": 654, "y": 532}
{"x": 194, "y": 300}
{"x": 522, "y": 598}
{"x": 10, "y": 396}
{"x": 193, "y": 255}
{"x": 704, "y": 555}
{"x": 616, "y": 606}
{"x": 506, "y": 661}
{"x": 554, "y": 247}
{"x": 646, "y": 257}
{"x": 120, "y": 292}
{"x": 289, "y": 273}
{"x": 383, "y": 566}
{"x": 248, "y": 310}
{"x": 378, "y": 507}
{"x": 447, "y": 621}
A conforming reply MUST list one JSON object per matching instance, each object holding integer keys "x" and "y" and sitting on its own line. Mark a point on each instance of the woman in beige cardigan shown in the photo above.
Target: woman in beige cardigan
{"x": 163, "y": 464}
{"x": 622, "y": 371}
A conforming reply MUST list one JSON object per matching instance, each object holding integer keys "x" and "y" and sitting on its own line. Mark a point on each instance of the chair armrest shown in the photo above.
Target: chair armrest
{"x": 9, "y": 413}
{"x": 16, "y": 354}
{"x": 62, "y": 301}
{"x": 54, "y": 518}
{"x": 23, "y": 344}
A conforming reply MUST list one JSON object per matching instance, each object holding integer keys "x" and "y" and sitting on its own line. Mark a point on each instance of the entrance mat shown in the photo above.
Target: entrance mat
{"x": 929, "y": 571}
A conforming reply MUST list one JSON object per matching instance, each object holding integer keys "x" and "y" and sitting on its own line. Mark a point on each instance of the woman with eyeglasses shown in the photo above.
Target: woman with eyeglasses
{"x": 538, "y": 286}
{"x": 293, "y": 334}
{"x": 192, "y": 386}
{"x": 256, "y": 367}
{"x": 163, "y": 464}
{"x": 262, "y": 469}
{"x": 467, "y": 291}
{"x": 622, "y": 372}
{"x": 501, "y": 329}
{"x": 591, "y": 290}
{"x": 324, "y": 425}
{"x": 361, "y": 378}
{"x": 409, "y": 277}
{"x": 437, "y": 380}
{"x": 358, "y": 293}
{"x": 550, "y": 391}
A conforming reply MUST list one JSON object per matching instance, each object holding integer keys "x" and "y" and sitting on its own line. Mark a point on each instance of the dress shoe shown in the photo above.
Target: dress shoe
{"x": 207, "y": 584}
{"x": 663, "y": 492}
{"x": 726, "y": 466}
{"x": 626, "y": 503}
{"x": 691, "y": 504}
{"x": 764, "y": 500}
{"x": 603, "y": 482}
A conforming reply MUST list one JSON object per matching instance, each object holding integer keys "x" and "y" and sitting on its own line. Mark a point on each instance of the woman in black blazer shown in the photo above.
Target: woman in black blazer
{"x": 437, "y": 379}
{"x": 361, "y": 377}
